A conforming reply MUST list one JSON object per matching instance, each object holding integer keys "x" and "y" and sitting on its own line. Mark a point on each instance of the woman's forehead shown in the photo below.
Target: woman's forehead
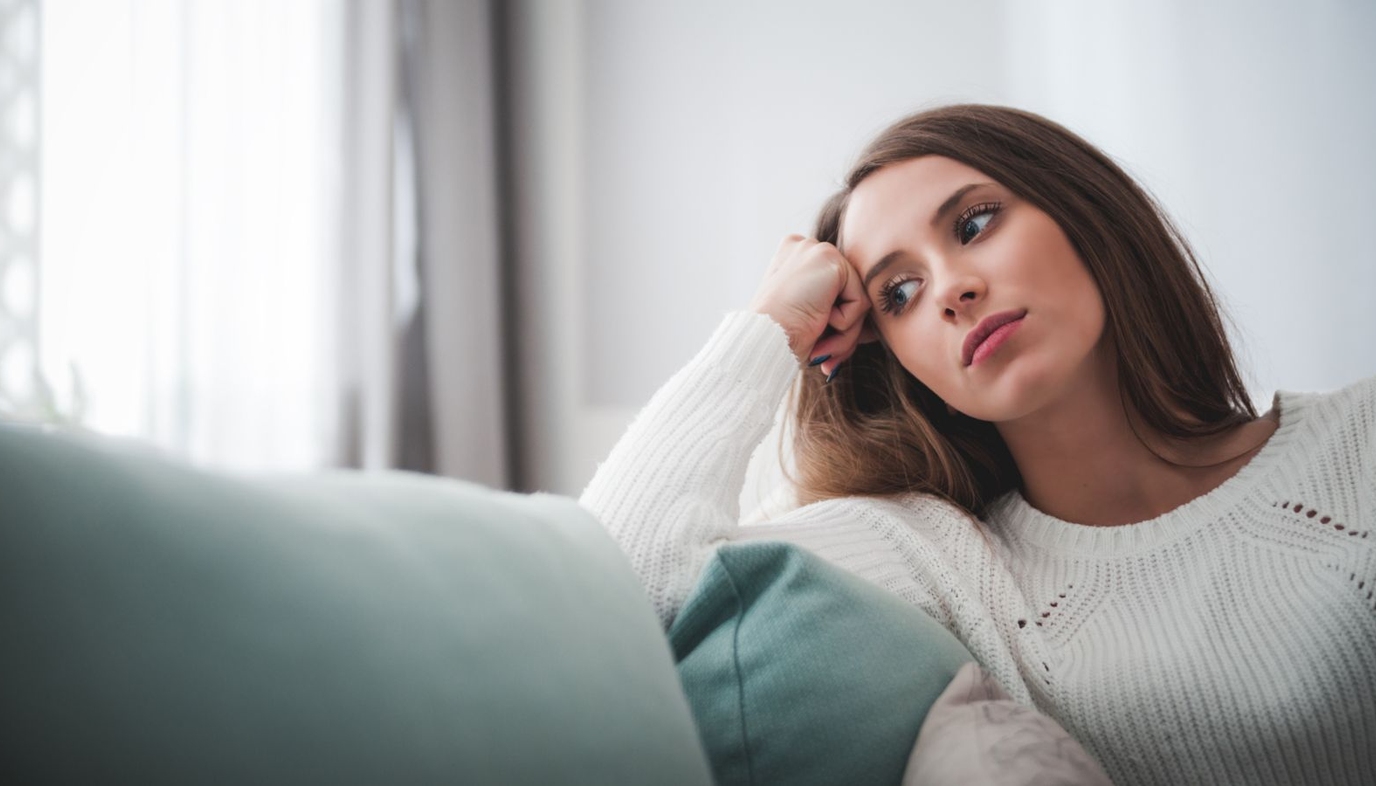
{"x": 899, "y": 199}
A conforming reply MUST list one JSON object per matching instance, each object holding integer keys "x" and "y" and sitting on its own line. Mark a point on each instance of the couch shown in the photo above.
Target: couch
{"x": 162, "y": 623}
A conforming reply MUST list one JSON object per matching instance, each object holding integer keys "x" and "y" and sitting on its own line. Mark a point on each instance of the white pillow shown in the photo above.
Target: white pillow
{"x": 975, "y": 733}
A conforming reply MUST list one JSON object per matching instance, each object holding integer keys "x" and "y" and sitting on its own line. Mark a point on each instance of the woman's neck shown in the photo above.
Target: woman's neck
{"x": 1083, "y": 461}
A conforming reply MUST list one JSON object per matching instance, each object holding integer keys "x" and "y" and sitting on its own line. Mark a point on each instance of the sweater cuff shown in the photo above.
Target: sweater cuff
{"x": 751, "y": 349}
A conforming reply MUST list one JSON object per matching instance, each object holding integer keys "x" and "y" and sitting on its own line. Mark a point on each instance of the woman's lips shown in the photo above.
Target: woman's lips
{"x": 991, "y": 343}
{"x": 986, "y": 328}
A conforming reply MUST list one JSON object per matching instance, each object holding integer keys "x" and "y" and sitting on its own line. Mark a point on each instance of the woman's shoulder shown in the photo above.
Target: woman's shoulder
{"x": 1336, "y": 428}
{"x": 1351, "y": 407}
{"x": 1363, "y": 389}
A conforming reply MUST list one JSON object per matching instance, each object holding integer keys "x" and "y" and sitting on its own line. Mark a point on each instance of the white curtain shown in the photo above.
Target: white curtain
{"x": 19, "y": 189}
{"x": 190, "y": 164}
{"x": 266, "y": 227}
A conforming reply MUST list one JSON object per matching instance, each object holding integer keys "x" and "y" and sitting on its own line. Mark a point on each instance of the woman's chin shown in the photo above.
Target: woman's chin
{"x": 1020, "y": 389}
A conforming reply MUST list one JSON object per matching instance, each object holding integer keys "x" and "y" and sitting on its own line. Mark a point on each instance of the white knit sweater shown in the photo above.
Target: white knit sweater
{"x": 1229, "y": 641}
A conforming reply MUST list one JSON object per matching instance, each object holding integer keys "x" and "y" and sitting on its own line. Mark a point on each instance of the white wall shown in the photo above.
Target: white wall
{"x": 666, "y": 147}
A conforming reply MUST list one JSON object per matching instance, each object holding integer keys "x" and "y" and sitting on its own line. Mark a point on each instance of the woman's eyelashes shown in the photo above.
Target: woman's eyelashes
{"x": 898, "y": 293}
{"x": 971, "y": 218}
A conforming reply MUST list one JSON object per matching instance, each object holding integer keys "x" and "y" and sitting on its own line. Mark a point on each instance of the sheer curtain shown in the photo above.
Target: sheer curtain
{"x": 19, "y": 190}
{"x": 266, "y": 225}
{"x": 190, "y": 164}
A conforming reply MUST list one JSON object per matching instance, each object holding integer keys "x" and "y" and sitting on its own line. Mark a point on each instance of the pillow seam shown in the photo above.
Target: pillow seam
{"x": 736, "y": 662}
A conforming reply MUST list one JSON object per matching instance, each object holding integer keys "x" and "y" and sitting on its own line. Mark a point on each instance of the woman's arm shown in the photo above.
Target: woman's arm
{"x": 669, "y": 491}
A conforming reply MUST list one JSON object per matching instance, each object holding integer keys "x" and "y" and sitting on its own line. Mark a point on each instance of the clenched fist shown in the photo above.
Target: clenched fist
{"x": 815, "y": 295}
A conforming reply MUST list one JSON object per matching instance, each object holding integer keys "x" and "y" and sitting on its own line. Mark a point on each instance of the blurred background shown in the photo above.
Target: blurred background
{"x": 472, "y": 238}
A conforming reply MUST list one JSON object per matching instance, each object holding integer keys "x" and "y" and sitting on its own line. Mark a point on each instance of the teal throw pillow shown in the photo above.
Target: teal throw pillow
{"x": 802, "y": 673}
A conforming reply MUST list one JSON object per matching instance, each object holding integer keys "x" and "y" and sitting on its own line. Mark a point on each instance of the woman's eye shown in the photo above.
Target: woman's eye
{"x": 978, "y": 218}
{"x": 896, "y": 297}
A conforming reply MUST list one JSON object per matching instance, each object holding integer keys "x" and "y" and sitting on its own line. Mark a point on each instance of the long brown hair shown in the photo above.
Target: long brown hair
{"x": 877, "y": 430}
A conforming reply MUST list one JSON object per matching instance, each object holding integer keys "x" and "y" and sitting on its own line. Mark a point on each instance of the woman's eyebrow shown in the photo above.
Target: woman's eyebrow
{"x": 946, "y": 207}
{"x": 953, "y": 200}
{"x": 889, "y": 259}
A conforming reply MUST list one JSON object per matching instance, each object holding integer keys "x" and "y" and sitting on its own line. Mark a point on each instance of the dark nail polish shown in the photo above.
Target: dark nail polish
{"x": 833, "y": 373}
{"x": 819, "y": 360}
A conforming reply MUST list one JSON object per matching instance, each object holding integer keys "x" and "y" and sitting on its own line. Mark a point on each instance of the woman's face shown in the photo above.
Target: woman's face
{"x": 941, "y": 248}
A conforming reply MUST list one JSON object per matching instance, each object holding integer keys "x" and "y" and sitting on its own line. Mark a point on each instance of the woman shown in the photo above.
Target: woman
{"x": 1017, "y": 408}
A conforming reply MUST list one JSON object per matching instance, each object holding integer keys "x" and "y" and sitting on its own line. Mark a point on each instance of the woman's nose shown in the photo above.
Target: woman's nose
{"x": 960, "y": 296}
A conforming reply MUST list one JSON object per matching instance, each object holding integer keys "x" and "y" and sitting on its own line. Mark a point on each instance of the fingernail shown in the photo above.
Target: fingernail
{"x": 819, "y": 360}
{"x": 833, "y": 373}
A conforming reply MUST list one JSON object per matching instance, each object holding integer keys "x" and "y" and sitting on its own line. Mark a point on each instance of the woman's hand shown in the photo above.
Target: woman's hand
{"x": 816, "y": 296}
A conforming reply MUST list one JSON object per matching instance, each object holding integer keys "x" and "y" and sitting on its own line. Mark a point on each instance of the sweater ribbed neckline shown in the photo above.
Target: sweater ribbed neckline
{"x": 1017, "y": 522}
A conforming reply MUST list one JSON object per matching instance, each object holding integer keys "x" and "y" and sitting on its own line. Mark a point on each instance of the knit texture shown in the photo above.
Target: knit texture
{"x": 1229, "y": 641}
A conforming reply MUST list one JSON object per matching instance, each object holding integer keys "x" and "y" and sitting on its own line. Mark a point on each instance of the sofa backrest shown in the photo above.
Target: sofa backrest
{"x": 160, "y": 623}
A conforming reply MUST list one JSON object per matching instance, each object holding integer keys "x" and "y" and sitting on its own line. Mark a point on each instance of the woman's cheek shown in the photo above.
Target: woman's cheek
{"x": 928, "y": 374}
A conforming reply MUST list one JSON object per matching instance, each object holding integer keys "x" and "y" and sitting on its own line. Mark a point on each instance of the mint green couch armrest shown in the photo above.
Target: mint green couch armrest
{"x": 163, "y": 624}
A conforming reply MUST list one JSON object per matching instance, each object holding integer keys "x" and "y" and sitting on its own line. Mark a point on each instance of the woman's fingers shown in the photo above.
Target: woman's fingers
{"x": 812, "y": 291}
{"x": 804, "y": 285}
{"x": 851, "y": 304}
{"x": 847, "y": 325}
{"x": 837, "y": 347}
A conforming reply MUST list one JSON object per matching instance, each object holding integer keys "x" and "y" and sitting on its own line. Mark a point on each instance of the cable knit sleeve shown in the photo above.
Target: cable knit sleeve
{"x": 669, "y": 491}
